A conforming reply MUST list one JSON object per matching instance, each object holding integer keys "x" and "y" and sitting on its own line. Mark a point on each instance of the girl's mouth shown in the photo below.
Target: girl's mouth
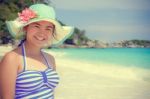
{"x": 39, "y": 38}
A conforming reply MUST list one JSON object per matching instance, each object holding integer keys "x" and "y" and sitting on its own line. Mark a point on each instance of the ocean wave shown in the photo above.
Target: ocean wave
{"x": 107, "y": 70}
{"x": 56, "y": 54}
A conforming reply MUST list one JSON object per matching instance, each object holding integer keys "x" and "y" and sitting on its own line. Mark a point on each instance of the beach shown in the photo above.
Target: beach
{"x": 85, "y": 80}
{"x": 94, "y": 83}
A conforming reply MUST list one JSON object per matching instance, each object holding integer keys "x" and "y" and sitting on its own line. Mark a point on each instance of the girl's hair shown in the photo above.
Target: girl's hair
{"x": 21, "y": 42}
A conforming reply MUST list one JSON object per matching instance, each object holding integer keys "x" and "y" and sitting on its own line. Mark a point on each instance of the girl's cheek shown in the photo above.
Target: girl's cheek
{"x": 48, "y": 34}
{"x": 49, "y": 37}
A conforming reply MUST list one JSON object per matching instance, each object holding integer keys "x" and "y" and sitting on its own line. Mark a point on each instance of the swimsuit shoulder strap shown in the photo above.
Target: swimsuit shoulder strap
{"x": 24, "y": 57}
{"x": 46, "y": 60}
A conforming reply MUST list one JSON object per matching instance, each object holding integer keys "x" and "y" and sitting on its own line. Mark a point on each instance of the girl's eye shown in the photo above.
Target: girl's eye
{"x": 36, "y": 26}
{"x": 49, "y": 29}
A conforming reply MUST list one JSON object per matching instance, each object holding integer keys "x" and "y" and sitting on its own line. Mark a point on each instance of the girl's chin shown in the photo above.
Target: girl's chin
{"x": 42, "y": 44}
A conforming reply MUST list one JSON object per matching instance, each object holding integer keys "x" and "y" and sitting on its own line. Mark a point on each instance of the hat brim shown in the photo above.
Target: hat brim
{"x": 62, "y": 32}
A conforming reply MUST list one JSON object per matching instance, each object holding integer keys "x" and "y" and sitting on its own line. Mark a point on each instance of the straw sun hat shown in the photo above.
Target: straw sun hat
{"x": 35, "y": 13}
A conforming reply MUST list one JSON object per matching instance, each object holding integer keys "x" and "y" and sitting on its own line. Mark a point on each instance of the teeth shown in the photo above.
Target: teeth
{"x": 39, "y": 38}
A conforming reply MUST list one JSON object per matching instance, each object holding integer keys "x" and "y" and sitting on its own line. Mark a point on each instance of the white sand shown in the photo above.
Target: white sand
{"x": 83, "y": 80}
{"x": 4, "y": 49}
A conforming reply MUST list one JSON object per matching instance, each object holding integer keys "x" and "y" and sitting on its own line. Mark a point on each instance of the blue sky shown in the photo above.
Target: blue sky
{"x": 107, "y": 20}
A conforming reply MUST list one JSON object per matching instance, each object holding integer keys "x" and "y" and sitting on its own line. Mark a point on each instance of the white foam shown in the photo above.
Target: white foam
{"x": 103, "y": 69}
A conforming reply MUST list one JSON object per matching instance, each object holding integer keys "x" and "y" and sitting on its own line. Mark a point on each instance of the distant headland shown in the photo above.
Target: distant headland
{"x": 100, "y": 44}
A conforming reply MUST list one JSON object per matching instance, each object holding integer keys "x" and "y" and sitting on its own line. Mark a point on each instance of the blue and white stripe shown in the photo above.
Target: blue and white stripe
{"x": 32, "y": 84}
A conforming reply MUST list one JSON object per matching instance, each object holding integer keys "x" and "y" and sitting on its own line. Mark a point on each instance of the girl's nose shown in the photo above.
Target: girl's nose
{"x": 42, "y": 31}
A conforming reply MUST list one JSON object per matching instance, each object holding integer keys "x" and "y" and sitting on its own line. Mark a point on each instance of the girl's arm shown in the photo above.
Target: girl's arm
{"x": 8, "y": 74}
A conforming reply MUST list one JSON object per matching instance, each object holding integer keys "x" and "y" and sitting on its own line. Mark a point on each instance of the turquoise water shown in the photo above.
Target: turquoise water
{"x": 137, "y": 57}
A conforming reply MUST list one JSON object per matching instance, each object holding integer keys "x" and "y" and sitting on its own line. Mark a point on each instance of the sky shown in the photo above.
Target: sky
{"x": 107, "y": 20}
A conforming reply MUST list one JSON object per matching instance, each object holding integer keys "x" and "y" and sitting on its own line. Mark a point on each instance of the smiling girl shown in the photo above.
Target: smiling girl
{"x": 27, "y": 72}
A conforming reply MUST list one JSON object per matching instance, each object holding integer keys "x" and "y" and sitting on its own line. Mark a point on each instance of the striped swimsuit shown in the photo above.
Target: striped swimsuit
{"x": 32, "y": 84}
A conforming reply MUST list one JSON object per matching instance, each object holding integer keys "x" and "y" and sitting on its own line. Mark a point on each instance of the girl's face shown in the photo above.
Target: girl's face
{"x": 39, "y": 33}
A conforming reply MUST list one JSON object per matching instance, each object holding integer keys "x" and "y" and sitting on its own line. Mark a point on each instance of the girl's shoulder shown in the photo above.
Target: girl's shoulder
{"x": 11, "y": 56}
{"x": 51, "y": 59}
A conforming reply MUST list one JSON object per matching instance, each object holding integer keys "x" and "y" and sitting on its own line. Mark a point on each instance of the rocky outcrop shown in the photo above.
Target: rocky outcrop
{"x": 120, "y": 44}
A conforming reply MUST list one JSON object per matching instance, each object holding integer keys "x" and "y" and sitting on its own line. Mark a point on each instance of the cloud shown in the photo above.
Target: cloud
{"x": 87, "y": 5}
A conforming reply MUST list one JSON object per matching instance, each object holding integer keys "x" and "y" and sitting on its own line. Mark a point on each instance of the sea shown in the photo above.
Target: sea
{"x": 128, "y": 57}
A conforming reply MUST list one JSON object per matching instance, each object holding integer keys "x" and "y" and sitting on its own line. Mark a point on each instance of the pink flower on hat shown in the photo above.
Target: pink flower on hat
{"x": 26, "y": 15}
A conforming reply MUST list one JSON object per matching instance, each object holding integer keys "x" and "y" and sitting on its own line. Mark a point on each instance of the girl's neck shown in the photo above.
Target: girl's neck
{"x": 31, "y": 49}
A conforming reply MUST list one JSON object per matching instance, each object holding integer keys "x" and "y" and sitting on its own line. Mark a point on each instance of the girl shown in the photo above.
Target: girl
{"x": 26, "y": 72}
